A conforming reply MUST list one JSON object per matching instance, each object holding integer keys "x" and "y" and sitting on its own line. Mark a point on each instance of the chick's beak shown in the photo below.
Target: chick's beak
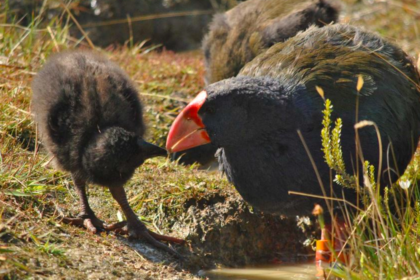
{"x": 188, "y": 130}
{"x": 150, "y": 150}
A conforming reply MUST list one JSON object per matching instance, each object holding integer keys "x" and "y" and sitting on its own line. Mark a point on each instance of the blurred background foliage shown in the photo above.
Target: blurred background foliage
{"x": 177, "y": 24}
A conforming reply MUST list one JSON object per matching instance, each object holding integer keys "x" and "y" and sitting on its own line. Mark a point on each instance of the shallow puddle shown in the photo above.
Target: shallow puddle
{"x": 293, "y": 271}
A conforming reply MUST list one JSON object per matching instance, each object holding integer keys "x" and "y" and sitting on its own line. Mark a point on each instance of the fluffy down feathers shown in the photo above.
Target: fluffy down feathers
{"x": 89, "y": 117}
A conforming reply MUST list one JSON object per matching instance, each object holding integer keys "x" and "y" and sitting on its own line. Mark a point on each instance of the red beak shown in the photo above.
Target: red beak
{"x": 188, "y": 130}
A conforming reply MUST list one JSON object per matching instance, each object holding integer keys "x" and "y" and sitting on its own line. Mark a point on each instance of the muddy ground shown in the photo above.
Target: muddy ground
{"x": 220, "y": 230}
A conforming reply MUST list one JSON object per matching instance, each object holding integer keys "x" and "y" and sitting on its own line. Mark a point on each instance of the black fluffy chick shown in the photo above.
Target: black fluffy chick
{"x": 254, "y": 118}
{"x": 240, "y": 34}
{"x": 90, "y": 119}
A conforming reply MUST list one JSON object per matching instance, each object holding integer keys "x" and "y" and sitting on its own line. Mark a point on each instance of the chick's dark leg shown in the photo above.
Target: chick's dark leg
{"x": 87, "y": 217}
{"x": 136, "y": 228}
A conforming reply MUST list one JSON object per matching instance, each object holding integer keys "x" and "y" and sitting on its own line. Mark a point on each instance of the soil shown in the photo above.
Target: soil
{"x": 219, "y": 228}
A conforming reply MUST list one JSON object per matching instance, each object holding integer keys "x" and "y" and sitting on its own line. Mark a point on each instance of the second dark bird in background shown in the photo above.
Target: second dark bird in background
{"x": 242, "y": 33}
{"x": 90, "y": 118}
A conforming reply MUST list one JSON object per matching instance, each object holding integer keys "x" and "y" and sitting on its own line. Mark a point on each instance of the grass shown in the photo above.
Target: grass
{"x": 33, "y": 241}
{"x": 384, "y": 236}
{"x": 33, "y": 195}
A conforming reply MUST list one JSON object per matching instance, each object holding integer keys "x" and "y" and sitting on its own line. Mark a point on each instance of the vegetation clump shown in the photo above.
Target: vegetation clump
{"x": 383, "y": 235}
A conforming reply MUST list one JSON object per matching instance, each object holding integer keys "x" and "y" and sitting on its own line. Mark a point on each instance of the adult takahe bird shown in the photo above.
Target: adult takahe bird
{"x": 90, "y": 119}
{"x": 240, "y": 34}
{"x": 254, "y": 117}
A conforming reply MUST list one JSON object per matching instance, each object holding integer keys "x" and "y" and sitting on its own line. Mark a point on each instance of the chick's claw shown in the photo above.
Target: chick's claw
{"x": 89, "y": 222}
{"x": 120, "y": 227}
{"x": 166, "y": 238}
{"x": 138, "y": 230}
{"x": 145, "y": 235}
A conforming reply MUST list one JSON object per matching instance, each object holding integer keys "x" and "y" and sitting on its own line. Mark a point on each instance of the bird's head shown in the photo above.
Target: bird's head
{"x": 115, "y": 153}
{"x": 229, "y": 113}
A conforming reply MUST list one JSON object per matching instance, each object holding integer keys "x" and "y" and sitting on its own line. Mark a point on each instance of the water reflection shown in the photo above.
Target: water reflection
{"x": 283, "y": 272}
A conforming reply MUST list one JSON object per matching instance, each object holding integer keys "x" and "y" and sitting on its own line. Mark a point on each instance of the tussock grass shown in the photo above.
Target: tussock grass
{"x": 383, "y": 237}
